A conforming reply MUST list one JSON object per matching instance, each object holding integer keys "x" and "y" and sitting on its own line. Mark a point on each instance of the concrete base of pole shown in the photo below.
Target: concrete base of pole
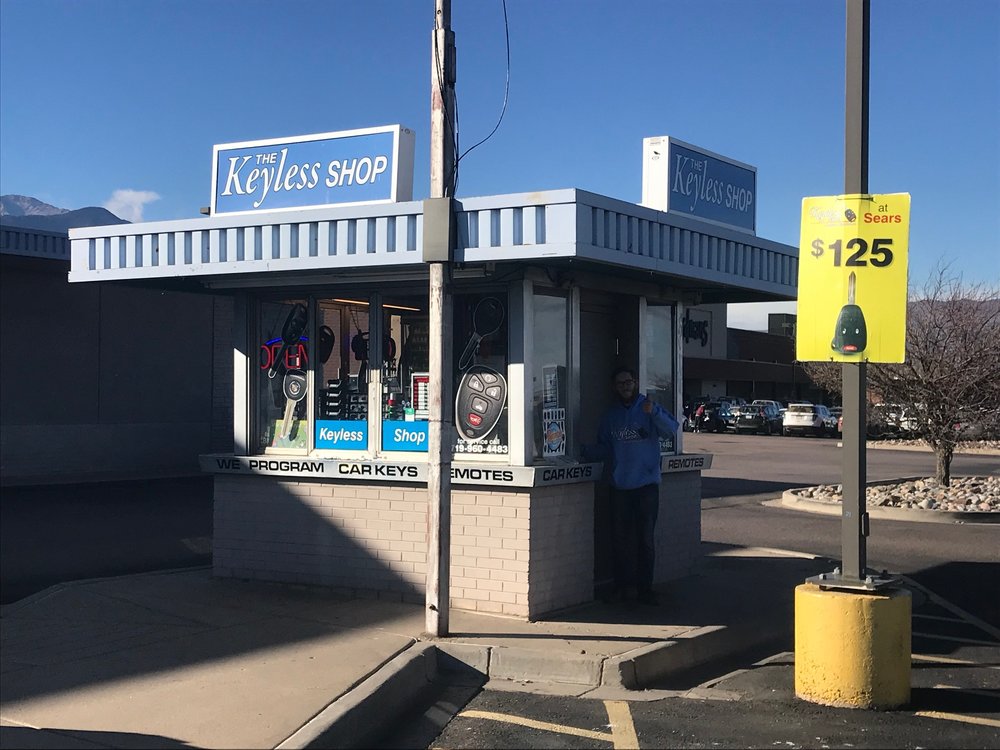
{"x": 852, "y": 649}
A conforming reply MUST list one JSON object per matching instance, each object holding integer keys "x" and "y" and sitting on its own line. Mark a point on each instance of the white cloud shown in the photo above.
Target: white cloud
{"x": 128, "y": 204}
{"x": 752, "y": 316}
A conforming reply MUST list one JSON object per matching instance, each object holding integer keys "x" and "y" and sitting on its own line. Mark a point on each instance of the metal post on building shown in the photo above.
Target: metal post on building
{"x": 437, "y": 246}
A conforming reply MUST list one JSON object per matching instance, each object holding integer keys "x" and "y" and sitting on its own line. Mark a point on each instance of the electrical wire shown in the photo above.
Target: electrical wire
{"x": 506, "y": 94}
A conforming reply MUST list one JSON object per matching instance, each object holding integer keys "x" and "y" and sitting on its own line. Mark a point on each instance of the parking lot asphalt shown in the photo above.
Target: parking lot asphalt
{"x": 179, "y": 659}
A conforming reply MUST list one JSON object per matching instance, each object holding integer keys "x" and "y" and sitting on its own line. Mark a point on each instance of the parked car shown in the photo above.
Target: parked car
{"x": 977, "y": 424}
{"x": 804, "y": 418}
{"x": 715, "y": 416}
{"x": 764, "y": 402}
{"x": 764, "y": 418}
{"x": 892, "y": 420}
{"x": 731, "y": 417}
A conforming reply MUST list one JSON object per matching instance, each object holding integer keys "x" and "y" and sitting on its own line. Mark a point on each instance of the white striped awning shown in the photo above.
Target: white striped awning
{"x": 550, "y": 225}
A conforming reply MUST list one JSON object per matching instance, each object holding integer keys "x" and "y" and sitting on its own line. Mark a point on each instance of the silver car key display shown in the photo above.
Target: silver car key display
{"x": 486, "y": 320}
{"x": 482, "y": 392}
{"x": 294, "y": 387}
{"x": 479, "y": 403}
{"x": 295, "y": 325}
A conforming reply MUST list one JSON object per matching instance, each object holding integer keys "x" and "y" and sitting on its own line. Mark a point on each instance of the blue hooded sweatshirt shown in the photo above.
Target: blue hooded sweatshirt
{"x": 630, "y": 439}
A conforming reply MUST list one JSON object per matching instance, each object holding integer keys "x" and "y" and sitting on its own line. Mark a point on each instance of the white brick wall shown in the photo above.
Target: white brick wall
{"x": 678, "y": 527}
{"x": 519, "y": 552}
{"x": 222, "y": 375}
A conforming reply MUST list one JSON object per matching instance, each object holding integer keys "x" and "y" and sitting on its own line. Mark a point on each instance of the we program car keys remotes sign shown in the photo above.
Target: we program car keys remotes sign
{"x": 852, "y": 278}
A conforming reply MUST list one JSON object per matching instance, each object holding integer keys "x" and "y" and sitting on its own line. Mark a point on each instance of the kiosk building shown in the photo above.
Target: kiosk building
{"x": 326, "y": 483}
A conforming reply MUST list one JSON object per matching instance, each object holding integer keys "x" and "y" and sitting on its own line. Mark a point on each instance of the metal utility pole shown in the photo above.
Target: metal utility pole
{"x": 440, "y": 432}
{"x": 854, "y": 526}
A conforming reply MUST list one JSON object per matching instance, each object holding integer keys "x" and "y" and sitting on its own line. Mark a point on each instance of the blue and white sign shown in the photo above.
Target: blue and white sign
{"x": 685, "y": 179}
{"x": 341, "y": 434}
{"x": 372, "y": 165}
{"x": 404, "y": 436}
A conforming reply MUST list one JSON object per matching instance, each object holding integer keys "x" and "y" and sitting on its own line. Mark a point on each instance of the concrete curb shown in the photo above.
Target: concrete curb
{"x": 790, "y": 500}
{"x": 354, "y": 719}
{"x": 648, "y": 664}
{"x": 508, "y": 663}
{"x": 876, "y": 445}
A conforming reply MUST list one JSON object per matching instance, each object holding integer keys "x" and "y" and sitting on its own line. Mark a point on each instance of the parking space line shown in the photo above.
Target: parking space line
{"x": 968, "y": 691}
{"x": 947, "y": 660}
{"x": 622, "y": 726}
{"x": 938, "y": 618}
{"x": 958, "y": 717}
{"x": 958, "y": 612}
{"x": 543, "y": 725}
{"x": 954, "y": 639}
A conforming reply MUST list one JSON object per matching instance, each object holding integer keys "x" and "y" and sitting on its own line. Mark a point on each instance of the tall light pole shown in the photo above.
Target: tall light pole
{"x": 854, "y": 524}
{"x": 437, "y": 249}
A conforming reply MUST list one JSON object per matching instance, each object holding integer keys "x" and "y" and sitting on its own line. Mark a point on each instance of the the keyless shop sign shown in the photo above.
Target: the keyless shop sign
{"x": 685, "y": 179}
{"x": 852, "y": 278}
{"x": 371, "y": 165}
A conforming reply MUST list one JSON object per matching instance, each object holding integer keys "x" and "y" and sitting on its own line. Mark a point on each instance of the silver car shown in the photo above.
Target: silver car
{"x": 808, "y": 419}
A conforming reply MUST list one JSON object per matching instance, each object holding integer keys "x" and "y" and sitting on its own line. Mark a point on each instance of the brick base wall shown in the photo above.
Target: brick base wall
{"x": 519, "y": 552}
{"x": 678, "y": 527}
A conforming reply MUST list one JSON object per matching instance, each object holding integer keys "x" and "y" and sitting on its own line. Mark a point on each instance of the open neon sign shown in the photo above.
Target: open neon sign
{"x": 295, "y": 357}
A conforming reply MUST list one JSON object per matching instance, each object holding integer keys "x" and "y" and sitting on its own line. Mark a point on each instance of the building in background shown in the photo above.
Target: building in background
{"x": 723, "y": 361}
{"x": 104, "y": 381}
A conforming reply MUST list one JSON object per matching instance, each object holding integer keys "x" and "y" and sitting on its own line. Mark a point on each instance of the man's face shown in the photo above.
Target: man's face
{"x": 625, "y": 387}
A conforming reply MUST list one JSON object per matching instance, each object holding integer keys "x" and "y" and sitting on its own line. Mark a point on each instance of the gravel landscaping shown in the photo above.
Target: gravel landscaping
{"x": 968, "y": 446}
{"x": 964, "y": 495}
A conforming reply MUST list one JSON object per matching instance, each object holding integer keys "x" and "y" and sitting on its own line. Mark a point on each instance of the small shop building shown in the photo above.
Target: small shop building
{"x": 327, "y": 480}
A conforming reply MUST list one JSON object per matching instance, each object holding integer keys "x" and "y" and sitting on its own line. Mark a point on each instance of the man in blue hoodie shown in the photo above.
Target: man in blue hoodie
{"x": 629, "y": 442}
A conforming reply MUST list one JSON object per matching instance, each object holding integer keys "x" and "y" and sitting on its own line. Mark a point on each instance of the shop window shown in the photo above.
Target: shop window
{"x": 550, "y": 358}
{"x": 332, "y": 373}
{"x": 659, "y": 345}
{"x": 282, "y": 377}
{"x": 480, "y": 368}
{"x": 405, "y": 377}
{"x": 342, "y": 372}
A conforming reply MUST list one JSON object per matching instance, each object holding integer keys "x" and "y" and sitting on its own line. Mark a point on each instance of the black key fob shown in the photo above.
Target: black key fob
{"x": 479, "y": 402}
{"x": 851, "y": 335}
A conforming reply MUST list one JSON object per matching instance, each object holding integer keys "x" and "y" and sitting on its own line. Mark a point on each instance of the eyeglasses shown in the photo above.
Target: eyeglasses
{"x": 625, "y": 382}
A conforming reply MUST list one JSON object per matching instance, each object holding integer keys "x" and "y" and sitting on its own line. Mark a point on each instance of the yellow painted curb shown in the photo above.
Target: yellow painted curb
{"x": 852, "y": 649}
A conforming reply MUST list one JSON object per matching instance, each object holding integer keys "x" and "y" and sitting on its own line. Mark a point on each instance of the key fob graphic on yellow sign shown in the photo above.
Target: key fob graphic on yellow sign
{"x": 851, "y": 333}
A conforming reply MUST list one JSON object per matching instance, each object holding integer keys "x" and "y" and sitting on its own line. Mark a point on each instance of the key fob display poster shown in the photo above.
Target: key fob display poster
{"x": 481, "y": 336}
{"x": 853, "y": 255}
{"x": 282, "y": 384}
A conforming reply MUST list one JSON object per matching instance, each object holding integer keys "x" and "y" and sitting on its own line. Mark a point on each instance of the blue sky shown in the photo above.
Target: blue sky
{"x": 118, "y": 103}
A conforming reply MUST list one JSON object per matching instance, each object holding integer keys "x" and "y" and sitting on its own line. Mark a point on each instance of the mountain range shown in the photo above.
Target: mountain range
{"x": 30, "y": 213}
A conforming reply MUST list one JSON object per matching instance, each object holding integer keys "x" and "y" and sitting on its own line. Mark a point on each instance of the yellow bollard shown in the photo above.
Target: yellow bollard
{"x": 852, "y": 649}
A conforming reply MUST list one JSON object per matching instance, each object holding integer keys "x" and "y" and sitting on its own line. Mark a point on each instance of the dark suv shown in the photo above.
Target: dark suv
{"x": 762, "y": 418}
{"x": 716, "y": 417}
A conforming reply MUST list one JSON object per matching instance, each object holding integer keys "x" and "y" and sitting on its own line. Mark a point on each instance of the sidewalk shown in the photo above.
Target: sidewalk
{"x": 179, "y": 659}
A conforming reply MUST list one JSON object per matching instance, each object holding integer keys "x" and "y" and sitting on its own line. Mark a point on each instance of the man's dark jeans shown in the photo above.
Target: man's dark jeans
{"x": 635, "y": 513}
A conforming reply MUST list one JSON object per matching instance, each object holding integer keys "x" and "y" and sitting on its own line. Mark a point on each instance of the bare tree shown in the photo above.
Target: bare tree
{"x": 949, "y": 385}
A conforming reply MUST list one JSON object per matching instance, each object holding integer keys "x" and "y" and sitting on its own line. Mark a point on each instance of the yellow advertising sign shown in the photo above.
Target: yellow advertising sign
{"x": 852, "y": 278}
